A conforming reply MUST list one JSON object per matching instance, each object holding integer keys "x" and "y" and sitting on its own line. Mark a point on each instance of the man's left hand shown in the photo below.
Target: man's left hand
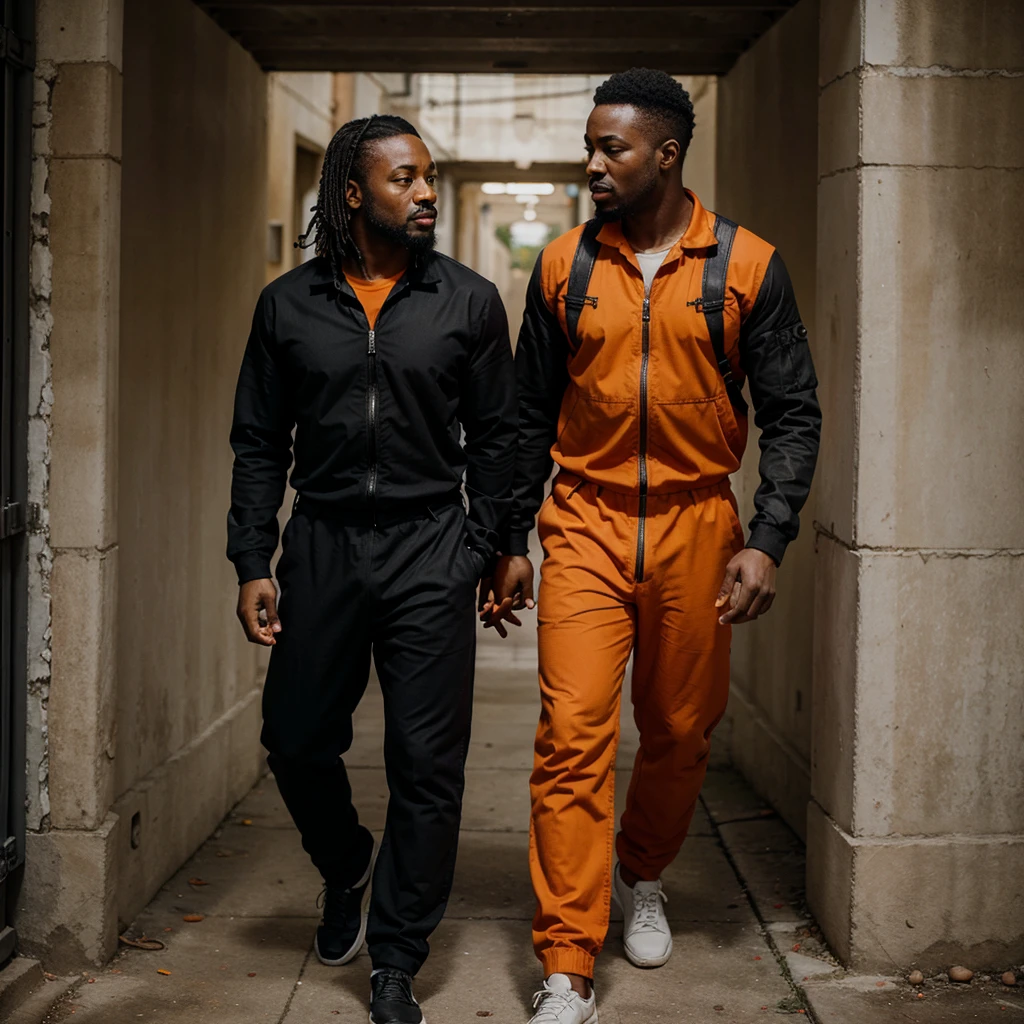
{"x": 748, "y": 588}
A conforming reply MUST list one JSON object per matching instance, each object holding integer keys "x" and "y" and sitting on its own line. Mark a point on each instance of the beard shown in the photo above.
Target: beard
{"x": 418, "y": 244}
{"x": 634, "y": 203}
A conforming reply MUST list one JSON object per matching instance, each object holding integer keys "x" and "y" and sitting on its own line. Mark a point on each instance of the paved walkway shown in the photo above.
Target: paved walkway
{"x": 734, "y": 901}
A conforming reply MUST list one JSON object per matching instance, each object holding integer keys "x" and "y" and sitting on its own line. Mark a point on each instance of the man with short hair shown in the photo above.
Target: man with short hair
{"x": 639, "y": 330}
{"x": 378, "y": 353}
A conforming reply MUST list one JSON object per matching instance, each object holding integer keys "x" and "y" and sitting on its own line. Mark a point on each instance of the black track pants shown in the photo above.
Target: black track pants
{"x": 406, "y": 592}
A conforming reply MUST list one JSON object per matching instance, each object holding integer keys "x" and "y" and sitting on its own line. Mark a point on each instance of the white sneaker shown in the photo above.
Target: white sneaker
{"x": 646, "y": 935}
{"x": 557, "y": 1003}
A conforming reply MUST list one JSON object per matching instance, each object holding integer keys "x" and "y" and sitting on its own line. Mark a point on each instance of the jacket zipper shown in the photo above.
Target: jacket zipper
{"x": 372, "y": 403}
{"x": 641, "y": 529}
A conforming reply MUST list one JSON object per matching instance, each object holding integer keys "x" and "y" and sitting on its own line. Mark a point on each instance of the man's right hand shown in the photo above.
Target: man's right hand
{"x": 512, "y": 585}
{"x": 257, "y": 611}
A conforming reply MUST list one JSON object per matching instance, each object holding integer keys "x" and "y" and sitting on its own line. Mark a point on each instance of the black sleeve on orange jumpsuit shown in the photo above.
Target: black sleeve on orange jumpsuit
{"x": 542, "y": 376}
{"x": 776, "y": 358}
{"x": 261, "y": 437}
{"x": 487, "y": 410}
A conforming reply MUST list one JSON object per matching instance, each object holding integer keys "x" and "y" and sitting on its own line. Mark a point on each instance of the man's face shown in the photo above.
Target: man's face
{"x": 398, "y": 197}
{"x": 623, "y": 164}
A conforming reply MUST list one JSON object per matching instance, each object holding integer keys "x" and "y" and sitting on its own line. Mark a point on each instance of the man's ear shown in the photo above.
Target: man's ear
{"x": 669, "y": 154}
{"x": 353, "y": 195}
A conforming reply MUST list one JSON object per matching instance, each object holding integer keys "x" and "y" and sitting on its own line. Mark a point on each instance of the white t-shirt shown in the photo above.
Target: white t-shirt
{"x": 649, "y": 264}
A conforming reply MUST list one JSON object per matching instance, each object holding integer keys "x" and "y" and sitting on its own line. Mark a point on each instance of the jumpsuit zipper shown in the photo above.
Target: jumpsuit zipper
{"x": 372, "y": 403}
{"x": 641, "y": 530}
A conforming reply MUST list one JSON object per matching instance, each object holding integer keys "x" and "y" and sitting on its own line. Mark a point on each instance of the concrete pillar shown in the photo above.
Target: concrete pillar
{"x": 916, "y": 826}
{"x": 67, "y": 900}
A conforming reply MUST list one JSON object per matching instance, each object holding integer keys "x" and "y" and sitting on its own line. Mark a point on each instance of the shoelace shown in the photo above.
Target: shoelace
{"x": 331, "y": 902}
{"x": 395, "y": 985}
{"x": 553, "y": 1005}
{"x": 645, "y": 907}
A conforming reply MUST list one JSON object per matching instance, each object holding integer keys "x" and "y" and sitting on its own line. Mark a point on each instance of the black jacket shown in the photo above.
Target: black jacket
{"x": 377, "y": 415}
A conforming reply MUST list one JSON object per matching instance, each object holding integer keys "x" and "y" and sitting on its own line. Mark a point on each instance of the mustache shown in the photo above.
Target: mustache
{"x": 421, "y": 210}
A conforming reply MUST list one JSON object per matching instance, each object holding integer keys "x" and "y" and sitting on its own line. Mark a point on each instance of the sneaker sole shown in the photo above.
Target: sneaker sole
{"x": 592, "y": 1019}
{"x": 638, "y": 961}
{"x": 364, "y": 916}
{"x": 423, "y": 1020}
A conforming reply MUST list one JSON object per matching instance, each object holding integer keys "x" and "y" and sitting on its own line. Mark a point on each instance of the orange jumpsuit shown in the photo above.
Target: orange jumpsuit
{"x": 637, "y": 533}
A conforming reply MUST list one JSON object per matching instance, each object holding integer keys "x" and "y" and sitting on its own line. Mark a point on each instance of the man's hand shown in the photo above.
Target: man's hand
{"x": 748, "y": 587}
{"x": 257, "y": 611}
{"x": 509, "y": 589}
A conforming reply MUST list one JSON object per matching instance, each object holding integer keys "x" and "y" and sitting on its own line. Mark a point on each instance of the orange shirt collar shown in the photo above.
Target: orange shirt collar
{"x": 698, "y": 234}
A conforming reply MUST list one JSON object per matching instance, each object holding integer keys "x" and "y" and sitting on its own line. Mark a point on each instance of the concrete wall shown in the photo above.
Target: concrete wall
{"x": 767, "y": 181}
{"x": 193, "y": 233}
{"x": 303, "y": 111}
{"x": 148, "y": 253}
{"x": 65, "y": 904}
{"x": 916, "y": 828}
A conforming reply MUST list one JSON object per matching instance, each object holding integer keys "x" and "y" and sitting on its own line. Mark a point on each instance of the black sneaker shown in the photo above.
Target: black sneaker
{"x": 391, "y": 998}
{"x": 343, "y": 926}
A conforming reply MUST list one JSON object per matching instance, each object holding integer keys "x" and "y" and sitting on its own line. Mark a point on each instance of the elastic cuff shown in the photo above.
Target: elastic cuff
{"x": 566, "y": 960}
{"x": 769, "y": 540}
{"x": 518, "y": 542}
{"x": 252, "y": 565}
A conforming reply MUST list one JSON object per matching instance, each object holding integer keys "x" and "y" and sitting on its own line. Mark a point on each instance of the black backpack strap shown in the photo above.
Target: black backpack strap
{"x": 712, "y": 305}
{"x": 583, "y": 261}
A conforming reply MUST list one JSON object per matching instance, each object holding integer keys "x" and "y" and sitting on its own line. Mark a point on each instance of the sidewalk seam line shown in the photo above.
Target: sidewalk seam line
{"x": 766, "y": 933}
{"x": 291, "y": 995}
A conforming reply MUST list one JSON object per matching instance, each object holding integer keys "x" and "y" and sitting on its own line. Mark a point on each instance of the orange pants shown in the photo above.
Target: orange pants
{"x": 591, "y": 615}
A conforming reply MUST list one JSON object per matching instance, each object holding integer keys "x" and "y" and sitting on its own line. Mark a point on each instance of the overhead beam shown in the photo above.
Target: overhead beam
{"x": 357, "y": 23}
{"x": 541, "y": 6}
{"x": 536, "y": 36}
{"x": 476, "y": 62}
{"x": 424, "y": 47}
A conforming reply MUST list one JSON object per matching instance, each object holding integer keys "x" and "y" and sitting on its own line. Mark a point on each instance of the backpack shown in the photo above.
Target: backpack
{"x": 711, "y": 303}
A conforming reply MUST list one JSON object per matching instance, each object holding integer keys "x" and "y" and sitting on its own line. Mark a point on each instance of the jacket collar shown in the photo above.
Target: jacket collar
{"x": 423, "y": 270}
{"x": 699, "y": 234}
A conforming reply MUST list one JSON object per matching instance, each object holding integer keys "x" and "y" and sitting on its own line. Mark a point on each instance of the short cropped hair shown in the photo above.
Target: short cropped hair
{"x": 656, "y": 94}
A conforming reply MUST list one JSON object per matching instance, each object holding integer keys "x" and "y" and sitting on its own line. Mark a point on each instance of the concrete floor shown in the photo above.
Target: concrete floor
{"x": 744, "y": 951}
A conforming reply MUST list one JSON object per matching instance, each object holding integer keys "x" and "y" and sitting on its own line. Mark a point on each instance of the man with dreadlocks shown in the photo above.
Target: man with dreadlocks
{"x": 639, "y": 330}
{"x": 378, "y": 354}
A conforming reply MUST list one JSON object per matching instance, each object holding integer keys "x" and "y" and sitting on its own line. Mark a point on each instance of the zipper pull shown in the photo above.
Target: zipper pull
{"x": 647, "y": 310}
{"x": 372, "y": 350}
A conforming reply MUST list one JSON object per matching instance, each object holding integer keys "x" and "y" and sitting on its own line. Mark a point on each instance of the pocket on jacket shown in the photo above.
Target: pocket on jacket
{"x": 599, "y": 437}
{"x": 781, "y": 361}
{"x": 693, "y": 441}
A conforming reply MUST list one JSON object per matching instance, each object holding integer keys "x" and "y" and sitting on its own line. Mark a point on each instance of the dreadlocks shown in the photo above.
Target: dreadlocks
{"x": 345, "y": 161}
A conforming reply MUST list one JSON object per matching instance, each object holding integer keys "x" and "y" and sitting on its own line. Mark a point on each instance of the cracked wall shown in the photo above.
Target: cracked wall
{"x": 40, "y": 406}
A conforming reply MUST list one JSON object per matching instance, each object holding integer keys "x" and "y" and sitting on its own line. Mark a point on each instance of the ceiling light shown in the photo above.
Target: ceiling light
{"x": 517, "y": 188}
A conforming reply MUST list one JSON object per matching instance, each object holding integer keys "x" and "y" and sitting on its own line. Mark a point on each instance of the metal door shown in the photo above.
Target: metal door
{"x": 16, "y": 101}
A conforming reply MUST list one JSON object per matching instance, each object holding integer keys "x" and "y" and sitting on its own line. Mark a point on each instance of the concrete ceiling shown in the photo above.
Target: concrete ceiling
{"x": 541, "y": 36}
